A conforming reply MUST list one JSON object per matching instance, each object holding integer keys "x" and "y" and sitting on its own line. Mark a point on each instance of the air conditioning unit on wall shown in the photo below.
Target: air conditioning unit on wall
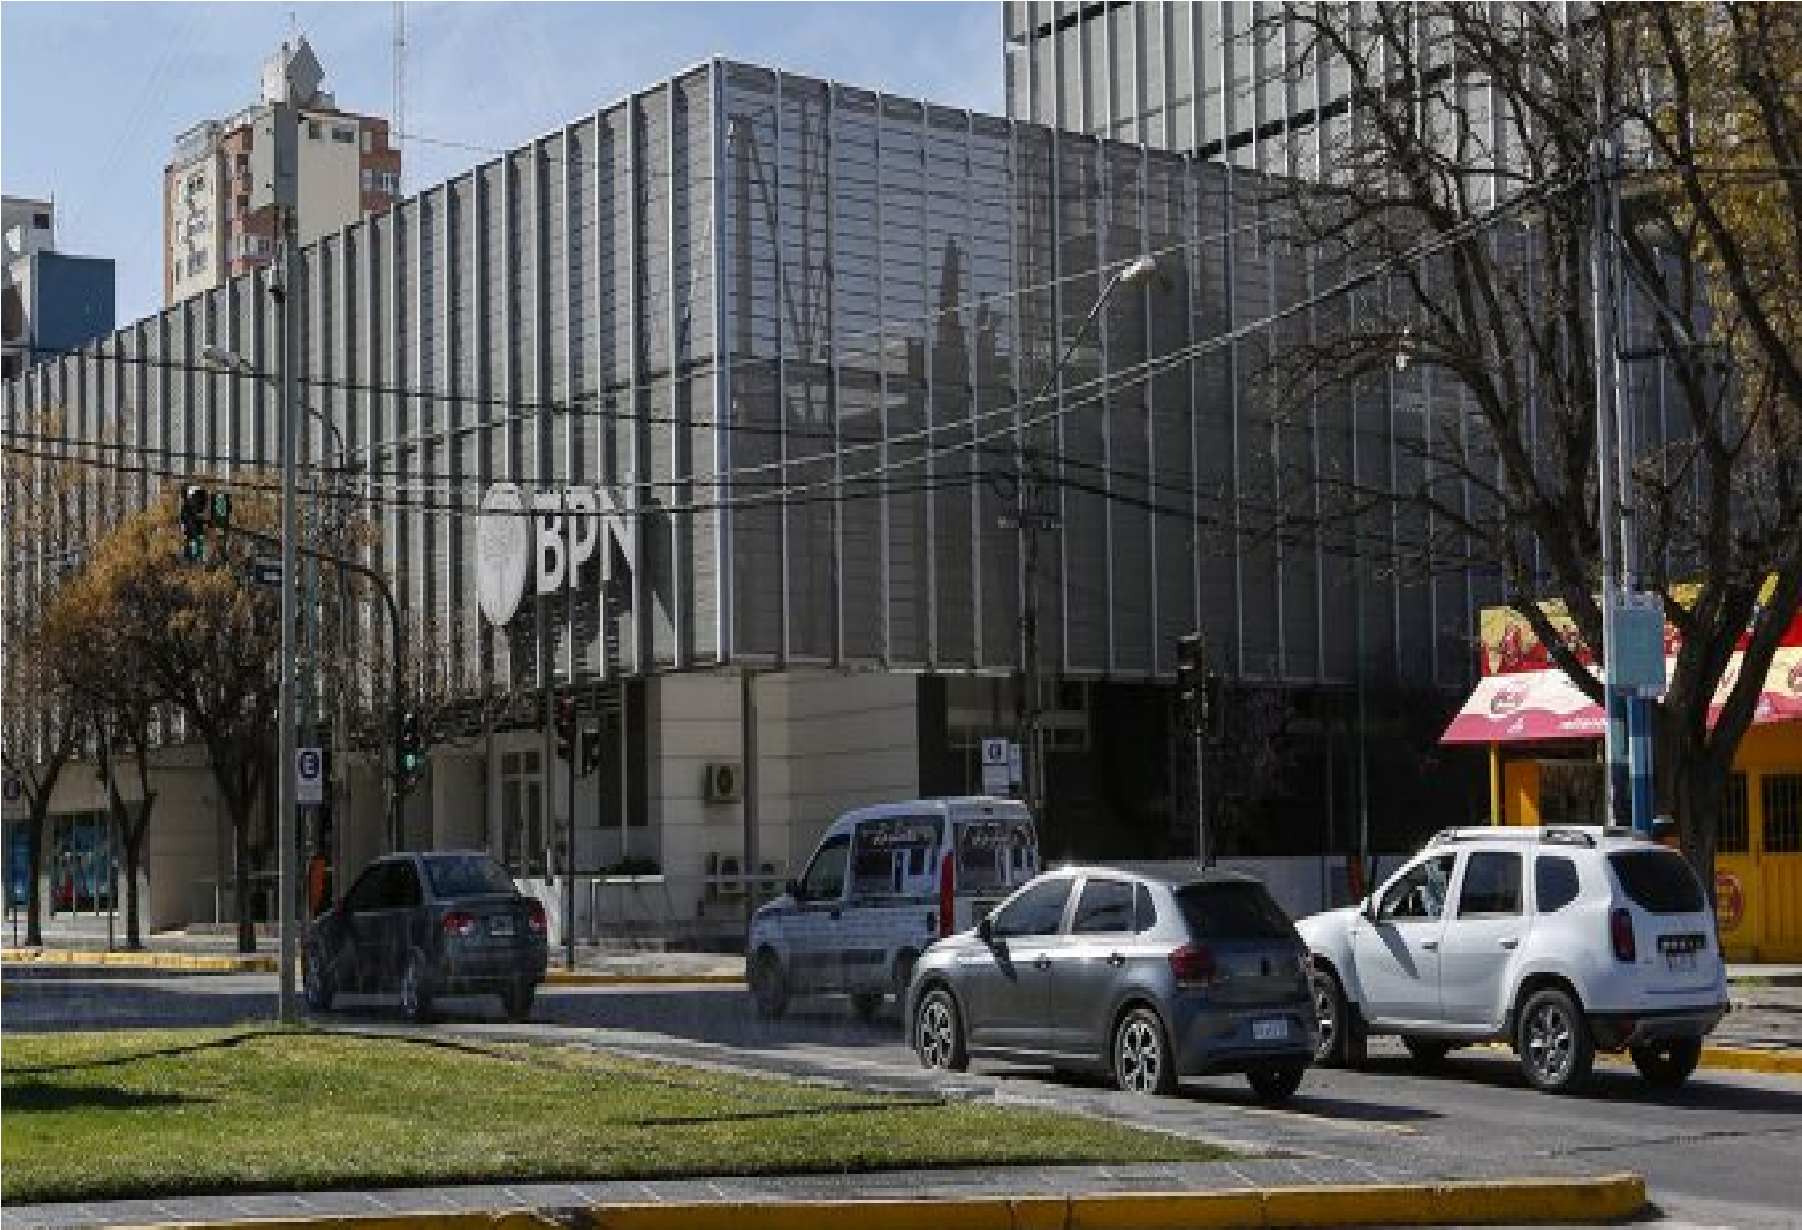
{"x": 725, "y": 782}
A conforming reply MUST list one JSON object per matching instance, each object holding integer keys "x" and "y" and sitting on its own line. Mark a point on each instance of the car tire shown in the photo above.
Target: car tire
{"x": 1426, "y": 1052}
{"x": 416, "y": 990}
{"x": 866, "y": 1004}
{"x": 1142, "y": 1060}
{"x": 1553, "y": 1042}
{"x": 938, "y": 1032}
{"x": 1340, "y": 1041}
{"x": 516, "y": 1000}
{"x": 769, "y": 986}
{"x": 1275, "y": 1083}
{"x": 316, "y": 981}
{"x": 1668, "y": 1064}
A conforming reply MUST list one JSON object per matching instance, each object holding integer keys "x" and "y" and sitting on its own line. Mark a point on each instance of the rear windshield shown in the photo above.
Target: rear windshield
{"x": 466, "y": 876}
{"x": 1233, "y": 911}
{"x": 1658, "y": 881}
{"x": 994, "y": 854}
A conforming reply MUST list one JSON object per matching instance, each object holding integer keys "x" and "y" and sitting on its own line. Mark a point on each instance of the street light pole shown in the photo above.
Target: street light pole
{"x": 1030, "y": 516}
{"x": 287, "y": 861}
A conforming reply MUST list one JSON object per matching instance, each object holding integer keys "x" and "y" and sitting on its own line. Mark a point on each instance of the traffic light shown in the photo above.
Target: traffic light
{"x": 412, "y": 745}
{"x": 196, "y": 502}
{"x": 564, "y": 709}
{"x": 1192, "y": 679}
{"x": 591, "y": 751}
{"x": 222, "y": 509}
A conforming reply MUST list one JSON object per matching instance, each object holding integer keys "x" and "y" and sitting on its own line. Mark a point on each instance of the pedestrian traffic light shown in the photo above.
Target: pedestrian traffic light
{"x": 564, "y": 720}
{"x": 195, "y": 504}
{"x": 1191, "y": 679}
{"x": 591, "y": 752}
{"x": 412, "y": 745}
{"x": 222, "y": 509}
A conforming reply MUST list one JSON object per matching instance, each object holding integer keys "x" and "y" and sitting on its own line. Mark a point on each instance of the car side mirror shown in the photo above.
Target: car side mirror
{"x": 1368, "y": 907}
{"x": 793, "y": 889}
{"x": 985, "y": 931}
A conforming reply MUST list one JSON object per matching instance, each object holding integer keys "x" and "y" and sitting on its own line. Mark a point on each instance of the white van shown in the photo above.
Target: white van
{"x": 883, "y": 883}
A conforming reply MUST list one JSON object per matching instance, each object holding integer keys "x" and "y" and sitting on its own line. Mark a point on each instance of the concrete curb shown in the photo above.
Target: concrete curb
{"x": 193, "y": 962}
{"x": 1585, "y": 1201}
{"x": 1749, "y": 1059}
{"x": 201, "y": 963}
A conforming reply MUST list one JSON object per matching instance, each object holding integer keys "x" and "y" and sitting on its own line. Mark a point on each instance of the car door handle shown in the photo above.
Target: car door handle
{"x": 1430, "y": 945}
{"x": 1115, "y": 959}
{"x": 1509, "y": 941}
{"x": 1041, "y": 962}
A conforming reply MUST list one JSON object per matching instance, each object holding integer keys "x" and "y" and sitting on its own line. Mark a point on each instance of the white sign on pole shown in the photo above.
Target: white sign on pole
{"x": 309, "y": 776}
{"x": 994, "y": 752}
{"x": 1016, "y": 764}
{"x": 994, "y": 766}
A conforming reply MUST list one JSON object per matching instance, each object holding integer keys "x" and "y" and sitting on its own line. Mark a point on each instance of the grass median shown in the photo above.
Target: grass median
{"x": 93, "y": 1116}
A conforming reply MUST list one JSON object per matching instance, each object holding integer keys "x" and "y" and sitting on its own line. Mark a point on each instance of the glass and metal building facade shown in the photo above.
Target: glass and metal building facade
{"x": 796, "y": 336}
{"x": 794, "y": 331}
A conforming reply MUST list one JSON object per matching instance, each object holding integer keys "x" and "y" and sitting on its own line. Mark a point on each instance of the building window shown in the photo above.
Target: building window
{"x": 243, "y": 162}
{"x": 522, "y": 824}
{"x": 197, "y": 262}
{"x": 368, "y": 140}
{"x": 1735, "y": 831}
{"x": 345, "y": 135}
{"x": 40, "y": 221}
{"x": 1782, "y": 813}
{"x": 314, "y": 130}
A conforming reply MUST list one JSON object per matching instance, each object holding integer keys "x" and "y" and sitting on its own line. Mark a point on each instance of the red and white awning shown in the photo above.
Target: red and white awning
{"x": 1545, "y": 704}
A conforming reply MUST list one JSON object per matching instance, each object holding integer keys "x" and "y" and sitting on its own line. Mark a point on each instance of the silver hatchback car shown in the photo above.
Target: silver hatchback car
{"x": 1143, "y": 977}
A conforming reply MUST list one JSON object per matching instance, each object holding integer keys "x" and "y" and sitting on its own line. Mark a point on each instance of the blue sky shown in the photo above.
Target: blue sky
{"x": 93, "y": 95}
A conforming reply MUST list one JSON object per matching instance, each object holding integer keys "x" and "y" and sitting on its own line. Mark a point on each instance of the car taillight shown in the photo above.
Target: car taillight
{"x": 947, "y": 870}
{"x": 1193, "y": 965}
{"x": 1620, "y": 934}
{"x": 535, "y": 917}
{"x": 459, "y": 923}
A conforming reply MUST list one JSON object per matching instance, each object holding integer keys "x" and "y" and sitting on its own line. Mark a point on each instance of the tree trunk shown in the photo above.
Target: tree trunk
{"x": 134, "y": 851}
{"x": 1693, "y": 782}
{"x": 40, "y": 812}
{"x": 247, "y": 928}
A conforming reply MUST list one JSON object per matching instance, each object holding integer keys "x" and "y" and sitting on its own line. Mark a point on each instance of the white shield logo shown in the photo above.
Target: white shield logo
{"x": 503, "y": 551}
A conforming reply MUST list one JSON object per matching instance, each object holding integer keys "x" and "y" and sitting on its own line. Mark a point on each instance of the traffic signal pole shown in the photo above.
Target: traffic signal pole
{"x": 395, "y": 793}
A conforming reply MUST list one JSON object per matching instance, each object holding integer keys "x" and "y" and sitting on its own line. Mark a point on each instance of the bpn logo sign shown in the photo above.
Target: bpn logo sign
{"x": 550, "y": 543}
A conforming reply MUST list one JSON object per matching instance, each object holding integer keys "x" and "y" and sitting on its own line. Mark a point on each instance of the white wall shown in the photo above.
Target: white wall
{"x": 330, "y": 177}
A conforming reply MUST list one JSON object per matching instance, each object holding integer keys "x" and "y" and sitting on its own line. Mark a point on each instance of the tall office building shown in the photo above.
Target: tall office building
{"x": 1226, "y": 81}
{"x": 214, "y": 229}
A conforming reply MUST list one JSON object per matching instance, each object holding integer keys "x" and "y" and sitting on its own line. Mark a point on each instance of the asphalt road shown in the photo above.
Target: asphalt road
{"x": 1723, "y": 1151}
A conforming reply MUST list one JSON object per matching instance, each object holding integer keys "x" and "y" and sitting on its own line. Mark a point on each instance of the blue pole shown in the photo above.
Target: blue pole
{"x": 1639, "y": 738}
{"x": 1620, "y": 776}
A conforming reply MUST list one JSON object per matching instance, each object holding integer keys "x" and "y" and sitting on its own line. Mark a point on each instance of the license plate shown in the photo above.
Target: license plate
{"x": 1269, "y": 1031}
{"x": 500, "y": 926}
{"x": 1680, "y": 962}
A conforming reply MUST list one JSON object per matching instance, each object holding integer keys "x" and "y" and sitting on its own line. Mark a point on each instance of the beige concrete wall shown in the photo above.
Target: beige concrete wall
{"x": 330, "y": 177}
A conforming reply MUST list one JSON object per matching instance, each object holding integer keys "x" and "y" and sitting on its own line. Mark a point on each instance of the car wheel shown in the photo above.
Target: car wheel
{"x": 516, "y": 1000}
{"x": 1275, "y": 1083}
{"x": 316, "y": 981}
{"x": 1340, "y": 1041}
{"x": 1427, "y": 1052}
{"x": 1142, "y": 1059}
{"x": 1556, "y": 1051}
{"x": 1668, "y": 1064}
{"x": 416, "y": 990}
{"x": 866, "y": 1004}
{"x": 769, "y": 988}
{"x": 939, "y": 1032}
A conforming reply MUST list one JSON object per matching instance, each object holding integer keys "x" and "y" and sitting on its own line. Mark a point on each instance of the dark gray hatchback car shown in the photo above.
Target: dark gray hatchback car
{"x": 424, "y": 925}
{"x": 1146, "y": 978}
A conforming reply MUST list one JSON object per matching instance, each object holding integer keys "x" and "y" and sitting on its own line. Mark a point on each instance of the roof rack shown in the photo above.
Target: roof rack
{"x": 1548, "y": 834}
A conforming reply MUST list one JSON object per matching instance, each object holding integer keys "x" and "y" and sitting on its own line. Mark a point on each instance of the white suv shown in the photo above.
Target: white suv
{"x": 1559, "y": 940}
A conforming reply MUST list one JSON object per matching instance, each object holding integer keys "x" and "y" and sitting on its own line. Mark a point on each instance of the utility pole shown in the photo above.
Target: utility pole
{"x": 1601, "y": 268}
{"x": 1032, "y": 515}
{"x": 286, "y": 200}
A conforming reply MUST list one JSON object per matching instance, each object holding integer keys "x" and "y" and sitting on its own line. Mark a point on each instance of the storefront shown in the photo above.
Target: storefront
{"x": 1545, "y": 766}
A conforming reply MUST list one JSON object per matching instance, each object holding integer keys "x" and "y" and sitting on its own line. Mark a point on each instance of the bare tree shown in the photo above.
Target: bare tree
{"x": 1454, "y": 196}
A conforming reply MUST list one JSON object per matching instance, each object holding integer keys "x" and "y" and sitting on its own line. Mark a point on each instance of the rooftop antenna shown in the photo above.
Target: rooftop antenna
{"x": 398, "y": 127}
